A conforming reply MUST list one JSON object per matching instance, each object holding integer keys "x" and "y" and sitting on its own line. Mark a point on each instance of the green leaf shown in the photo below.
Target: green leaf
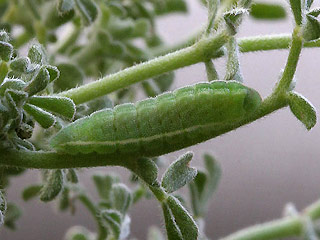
{"x": 65, "y": 5}
{"x": 54, "y": 19}
{"x": 15, "y": 110}
{"x": 214, "y": 174}
{"x": 104, "y": 184}
{"x": 138, "y": 194}
{"x": 20, "y": 64}
{"x": 53, "y": 72}
{"x": 204, "y": 185}
{"x": 6, "y": 51}
{"x": 170, "y": 6}
{"x": 121, "y": 197}
{"x": 72, "y": 176}
{"x": 31, "y": 192}
{"x": 233, "y": 18}
{"x": 44, "y": 118}
{"x": 70, "y": 76}
{"x": 164, "y": 81}
{"x": 268, "y": 11}
{"x": 39, "y": 82}
{"x": 88, "y": 11}
{"x": 13, "y": 213}
{"x": 15, "y": 84}
{"x": 4, "y": 37}
{"x": 18, "y": 96}
{"x": 52, "y": 186}
{"x": 23, "y": 144}
{"x": 297, "y": 10}
{"x": 183, "y": 219}
{"x": 173, "y": 231}
{"x": 145, "y": 168}
{"x": 141, "y": 27}
{"x": 311, "y": 30}
{"x": 178, "y": 173}
{"x": 97, "y": 104}
{"x": 64, "y": 199}
{"x": 302, "y": 109}
{"x": 37, "y": 55}
{"x": 113, "y": 220}
{"x": 4, "y": 69}
{"x": 61, "y": 106}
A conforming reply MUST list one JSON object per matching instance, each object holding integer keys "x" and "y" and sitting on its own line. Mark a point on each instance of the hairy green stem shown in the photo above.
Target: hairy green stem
{"x": 287, "y": 227}
{"x": 246, "y": 44}
{"x": 199, "y": 52}
{"x": 277, "y": 229}
{"x": 185, "y": 57}
{"x": 54, "y": 160}
{"x": 292, "y": 62}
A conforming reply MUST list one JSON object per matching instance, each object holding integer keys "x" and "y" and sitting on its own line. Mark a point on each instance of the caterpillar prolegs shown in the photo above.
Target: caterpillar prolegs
{"x": 155, "y": 126}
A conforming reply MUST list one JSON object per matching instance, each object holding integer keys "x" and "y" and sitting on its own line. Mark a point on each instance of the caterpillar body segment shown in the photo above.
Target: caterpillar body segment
{"x": 168, "y": 122}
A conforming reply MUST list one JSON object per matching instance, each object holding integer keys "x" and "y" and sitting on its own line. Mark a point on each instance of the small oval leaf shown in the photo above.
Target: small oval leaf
{"x": 31, "y": 192}
{"x": 36, "y": 54}
{"x": 52, "y": 186}
{"x": 6, "y": 51}
{"x": 61, "y": 106}
{"x": 104, "y": 184}
{"x": 44, "y": 118}
{"x": 88, "y": 10}
{"x": 268, "y": 11}
{"x": 20, "y": 65}
{"x": 302, "y": 109}
{"x": 39, "y": 82}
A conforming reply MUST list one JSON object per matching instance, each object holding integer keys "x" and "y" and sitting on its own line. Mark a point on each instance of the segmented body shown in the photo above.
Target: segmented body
{"x": 156, "y": 126}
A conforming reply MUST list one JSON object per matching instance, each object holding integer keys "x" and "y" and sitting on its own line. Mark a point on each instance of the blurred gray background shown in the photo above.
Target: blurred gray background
{"x": 265, "y": 164}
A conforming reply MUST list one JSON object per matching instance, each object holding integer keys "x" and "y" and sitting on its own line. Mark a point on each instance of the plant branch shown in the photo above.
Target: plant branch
{"x": 181, "y": 58}
{"x": 282, "y": 228}
{"x": 292, "y": 62}
{"x": 246, "y": 44}
{"x": 202, "y": 50}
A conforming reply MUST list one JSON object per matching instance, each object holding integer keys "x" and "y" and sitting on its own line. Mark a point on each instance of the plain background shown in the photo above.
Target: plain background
{"x": 265, "y": 165}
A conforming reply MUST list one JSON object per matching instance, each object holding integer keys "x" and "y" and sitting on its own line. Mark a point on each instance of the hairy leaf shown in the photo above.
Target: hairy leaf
{"x": 52, "y": 186}
{"x": 302, "y": 109}
{"x": 178, "y": 173}
{"x": 31, "y": 192}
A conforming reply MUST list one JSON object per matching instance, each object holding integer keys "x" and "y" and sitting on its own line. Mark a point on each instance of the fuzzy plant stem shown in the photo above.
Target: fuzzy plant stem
{"x": 278, "y": 229}
{"x": 202, "y": 50}
{"x": 246, "y": 44}
{"x": 292, "y": 62}
{"x": 191, "y": 55}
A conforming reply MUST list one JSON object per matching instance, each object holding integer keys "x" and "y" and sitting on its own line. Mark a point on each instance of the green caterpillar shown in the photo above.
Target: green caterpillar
{"x": 155, "y": 126}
